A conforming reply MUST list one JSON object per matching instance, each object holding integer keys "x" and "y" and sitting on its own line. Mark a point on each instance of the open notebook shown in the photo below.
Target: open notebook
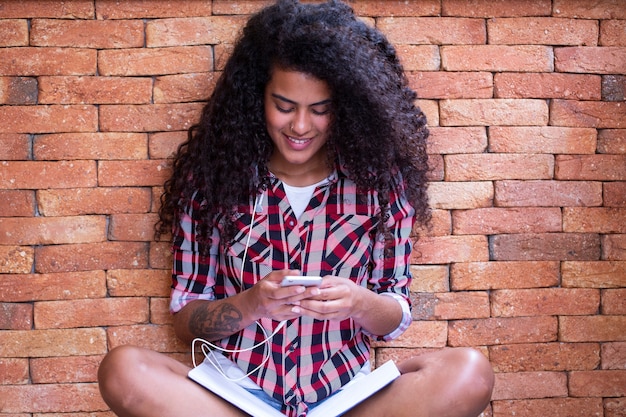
{"x": 206, "y": 375}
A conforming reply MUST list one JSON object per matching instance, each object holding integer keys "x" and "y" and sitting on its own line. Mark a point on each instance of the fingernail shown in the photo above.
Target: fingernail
{"x": 295, "y": 310}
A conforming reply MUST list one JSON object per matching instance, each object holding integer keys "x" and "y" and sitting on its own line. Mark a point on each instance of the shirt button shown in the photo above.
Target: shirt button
{"x": 294, "y": 265}
{"x": 291, "y": 223}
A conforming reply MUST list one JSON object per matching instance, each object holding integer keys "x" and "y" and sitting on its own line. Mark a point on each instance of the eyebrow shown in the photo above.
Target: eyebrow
{"x": 285, "y": 99}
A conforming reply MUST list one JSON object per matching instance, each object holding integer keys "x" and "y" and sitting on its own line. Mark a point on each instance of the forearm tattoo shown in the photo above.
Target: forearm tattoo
{"x": 215, "y": 323}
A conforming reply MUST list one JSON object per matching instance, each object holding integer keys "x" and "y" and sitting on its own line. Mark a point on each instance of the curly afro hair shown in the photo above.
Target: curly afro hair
{"x": 376, "y": 129}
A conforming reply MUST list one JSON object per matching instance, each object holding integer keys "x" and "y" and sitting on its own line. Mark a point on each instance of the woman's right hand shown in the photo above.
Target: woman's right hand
{"x": 273, "y": 301}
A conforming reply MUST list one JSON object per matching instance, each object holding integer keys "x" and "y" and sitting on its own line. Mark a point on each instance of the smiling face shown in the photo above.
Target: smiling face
{"x": 297, "y": 115}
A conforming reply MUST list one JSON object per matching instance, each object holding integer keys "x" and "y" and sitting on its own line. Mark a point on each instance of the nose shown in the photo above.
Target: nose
{"x": 301, "y": 123}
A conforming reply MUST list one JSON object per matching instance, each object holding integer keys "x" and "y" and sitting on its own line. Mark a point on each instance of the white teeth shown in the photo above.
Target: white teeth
{"x": 298, "y": 141}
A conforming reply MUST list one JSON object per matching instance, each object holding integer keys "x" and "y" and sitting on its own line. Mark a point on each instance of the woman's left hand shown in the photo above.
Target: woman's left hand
{"x": 338, "y": 299}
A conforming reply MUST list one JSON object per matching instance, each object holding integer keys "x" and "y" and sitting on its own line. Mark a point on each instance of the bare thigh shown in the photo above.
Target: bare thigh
{"x": 140, "y": 382}
{"x": 447, "y": 383}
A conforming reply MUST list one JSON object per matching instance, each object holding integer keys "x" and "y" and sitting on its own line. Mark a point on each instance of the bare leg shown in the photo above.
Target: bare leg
{"x": 138, "y": 382}
{"x": 448, "y": 383}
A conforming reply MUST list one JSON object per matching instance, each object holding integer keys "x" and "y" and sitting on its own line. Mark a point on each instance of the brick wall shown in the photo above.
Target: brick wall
{"x": 526, "y": 259}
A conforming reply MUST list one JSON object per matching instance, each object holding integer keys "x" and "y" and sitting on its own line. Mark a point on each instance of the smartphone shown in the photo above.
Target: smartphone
{"x": 311, "y": 281}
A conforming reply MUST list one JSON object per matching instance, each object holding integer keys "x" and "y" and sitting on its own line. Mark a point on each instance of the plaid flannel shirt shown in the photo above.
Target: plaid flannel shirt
{"x": 336, "y": 235}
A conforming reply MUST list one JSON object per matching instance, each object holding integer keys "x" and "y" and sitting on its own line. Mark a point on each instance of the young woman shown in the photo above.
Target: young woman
{"x": 309, "y": 159}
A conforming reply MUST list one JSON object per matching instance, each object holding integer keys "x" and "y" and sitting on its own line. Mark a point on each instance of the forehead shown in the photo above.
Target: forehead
{"x": 300, "y": 87}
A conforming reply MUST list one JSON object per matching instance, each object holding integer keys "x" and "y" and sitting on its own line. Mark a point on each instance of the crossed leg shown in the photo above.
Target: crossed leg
{"x": 457, "y": 382}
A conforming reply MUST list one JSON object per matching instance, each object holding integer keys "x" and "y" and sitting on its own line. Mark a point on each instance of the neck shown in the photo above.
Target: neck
{"x": 301, "y": 176}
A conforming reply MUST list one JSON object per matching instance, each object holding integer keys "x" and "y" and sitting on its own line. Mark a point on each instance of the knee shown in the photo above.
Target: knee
{"x": 474, "y": 375}
{"x": 117, "y": 372}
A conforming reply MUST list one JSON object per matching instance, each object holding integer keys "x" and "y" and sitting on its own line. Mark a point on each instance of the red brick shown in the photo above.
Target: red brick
{"x": 613, "y": 355}
{"x": 161, "y": 254}
{"x": 450, "y": 306}
{"x": 501, "y": 8}
{"x": 80, "y": 257}
{"x": 447, "y": 249}
{"x": 432, "y": 31}
{"x": 440, "y": 225}
{"x": 13, "y": 371}
{"x": 545, "y": 357}
{"x": 421, "y": 334}
{"x": 489, "y": 166}
{"x": 163, "y": 145}
{"x": 155, "y": 337}
{"x": 590, "y": 167}
{"x": 502, "y": 331}
{"x": 460, "y": 195}
{"x": 52, "y": 230}
{"x": 96, "y": 34}
{"x": 18, "y": 90}
{"x": 430, "y": 278}
{"x": 548, "y": 85}
{"x": 16, "y": 260}
{"x": 590, "y": 59}
{"x": 521, "y": 385}
{"x": 431, "y": 109}
{"x": 13, "y": 32}
{"x": 545, "y": 247}
{"x": 91, "y": 313}
{"x": 48, "y": 119}
{"x": 452, "y": 85}
{"x": 615, "y": 194}
{"x": 193, "y": 30}
{"x": 229, "y": 7}
{"x": 133, "y": 173}
{"x": 605, "y": 383}
{"x": 390, "y": 8}
{"x": 435, "y": 168}
{"x": 614, "y": 247}
{"x": 600, "y": 115}
{"x": 594, "y": 219}
{"x": 95, "y": 90}
{"x": 492, "y": 220}
{"x": 139, "y": 9}
{"x": 419, "y": 58}
{"x": 614, "y": 407}
{"x": 149, "y": 117}
{"x": 488, "y": 112}
{"x": 497, "y": 275}
{"x": 592, "y": 328}
{"x": 543, "y": 139}
{"x": 601, "y": 9}
{"x": 139, "y": 283}
{"x": 542, "y": 31}
{"x": 614, "y": 302}
{"x": 101, "y": 200}
{"x": 570, "y": 407}
{"x": 132, "y": 227}
{"x": 497, "y": 58}
{"x": 79, "y": 9}
{"x": 594, "y": 274}
{"x": 183, "y": 87}
{"x": 32, "y": 61}
{"x": 16, "y": 316}
{"x": 65, "y": 369}
{"x": 160, "y": 311}
{"x": 544, "y": 301}
{"x": 14, "y": 203}
{"x": 62, "y": 286}
{"x": 612, "y": 33}
{"x": 155, "y": 61}
{"x": 547, "y": 193}
{"x": 68, "y": 146}
{"x": 14, "y": 146}
{"x": 612, "y": 141}
{"x": 46, "y": 398}
{"x": 445, "y": 140}
{"x": 53, "y": 342}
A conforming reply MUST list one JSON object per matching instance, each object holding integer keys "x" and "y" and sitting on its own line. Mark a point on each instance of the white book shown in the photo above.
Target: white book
{"x": 352, "y": 394}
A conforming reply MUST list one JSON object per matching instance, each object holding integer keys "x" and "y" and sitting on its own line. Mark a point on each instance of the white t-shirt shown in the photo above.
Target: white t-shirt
{"x": 299, "y": 197}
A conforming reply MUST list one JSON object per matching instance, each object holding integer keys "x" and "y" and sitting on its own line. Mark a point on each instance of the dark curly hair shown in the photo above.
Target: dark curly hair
{"x": 376, "y": 130}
